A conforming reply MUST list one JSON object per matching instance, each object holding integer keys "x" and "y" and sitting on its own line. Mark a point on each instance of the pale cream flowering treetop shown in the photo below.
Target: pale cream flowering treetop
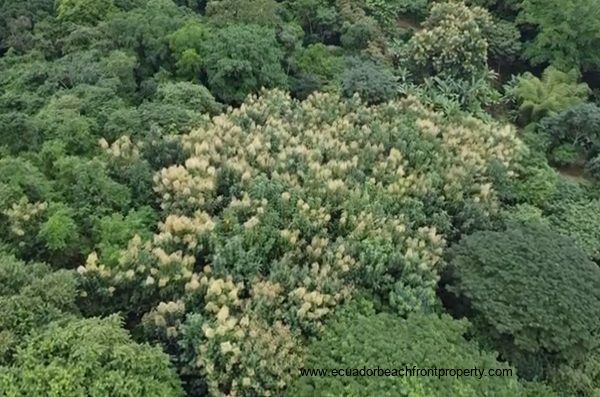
{"x": 283, "y": 209}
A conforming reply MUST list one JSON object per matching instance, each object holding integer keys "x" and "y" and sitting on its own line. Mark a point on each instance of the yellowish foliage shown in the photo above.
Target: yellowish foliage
{"x": 283, "y": 208}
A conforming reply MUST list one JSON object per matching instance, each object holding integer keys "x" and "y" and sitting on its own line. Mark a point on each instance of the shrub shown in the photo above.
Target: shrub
{"x": 303, "y": 85}
{"x": 503, "y": 39}
{"x": 369, "y": 340}
{"x": 568, "y": 191}
{"x": 535, "y": 184}
{"x": 387, "y": 12}
{"x": 592, "y": 168}
{"x": 566, "y": 155}
{"x": 373, "y": 82}
{"x": 459, "y": 95}
{"x": 576, "y": 129}
{"x": 449, "y": 56}
{"x": 532, "y": 293}
{"x": 524, "y": 214}
{"x": 580, "y": 381}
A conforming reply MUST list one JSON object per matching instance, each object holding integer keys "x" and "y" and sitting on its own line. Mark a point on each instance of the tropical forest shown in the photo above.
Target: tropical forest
{"x": 299, "y": 198}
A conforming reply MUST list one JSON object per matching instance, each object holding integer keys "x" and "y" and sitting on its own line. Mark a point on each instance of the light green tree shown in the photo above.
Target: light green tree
{"x": 186, "y": 43}
{"x": 85, "y": 12}
{"x": 554, "y": 92}
{"x": 92, "y": 357}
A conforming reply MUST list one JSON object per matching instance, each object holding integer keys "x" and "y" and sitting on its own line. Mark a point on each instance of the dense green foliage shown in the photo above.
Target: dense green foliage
{"x": 575, "y": 131}
{"x": 90, "y": 357}
{"x": 229, "y": 176}
{"x": 493, "y": 270}
{"x": 240, "y": 60}
{"x": 556, "y": 91}
{"x": 31, "y": 296}
{"x": 371, "y": 82}
{"x": 580, "y": 220}
{"x": 568, "y": 32}
{"x": 357, "y": 340}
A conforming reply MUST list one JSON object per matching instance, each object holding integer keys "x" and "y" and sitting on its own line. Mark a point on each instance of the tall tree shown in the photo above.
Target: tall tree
{"x": 568, "y": 32}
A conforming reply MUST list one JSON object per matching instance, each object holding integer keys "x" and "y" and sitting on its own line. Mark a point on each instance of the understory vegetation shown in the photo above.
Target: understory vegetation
{"x": 202, "y": 197}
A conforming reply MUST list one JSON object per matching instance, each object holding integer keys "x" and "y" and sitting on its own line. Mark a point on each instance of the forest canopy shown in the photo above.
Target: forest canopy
{"x": 203, "y": 197}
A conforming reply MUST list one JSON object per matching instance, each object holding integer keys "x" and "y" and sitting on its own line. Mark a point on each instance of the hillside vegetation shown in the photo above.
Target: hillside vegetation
{"x": 203, "y": 197}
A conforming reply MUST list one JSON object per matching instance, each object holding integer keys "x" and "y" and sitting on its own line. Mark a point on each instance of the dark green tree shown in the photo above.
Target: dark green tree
{"x": 576, "y": 129}
{"x": 18, "y": 19}
{"x": 86, "y": 187}
{"x": 359, "y": 338}
{"x": 322, "y": 62}
{"x": 242, "y": 59}
{"x": 320, "y": 19}
{"x": 146, "y": 31}
{"x": 532, "y": 294}
{"x": 372, "y": 81}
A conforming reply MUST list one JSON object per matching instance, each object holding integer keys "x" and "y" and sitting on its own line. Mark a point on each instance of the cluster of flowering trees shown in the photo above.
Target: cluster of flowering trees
{"x": 284, "y": 210}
